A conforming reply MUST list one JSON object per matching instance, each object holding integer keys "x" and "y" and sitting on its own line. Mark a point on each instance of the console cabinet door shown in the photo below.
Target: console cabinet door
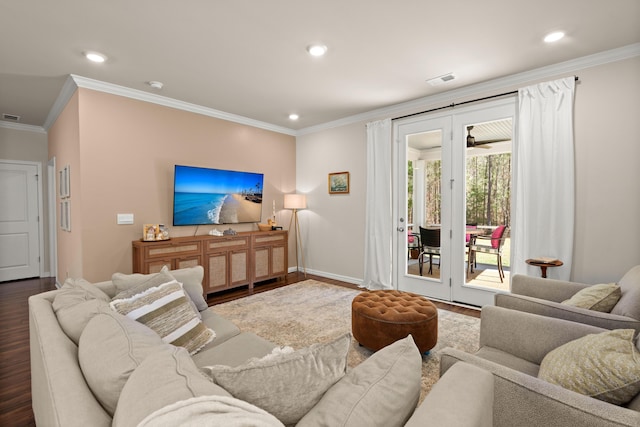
{"x": 269, "y": 255}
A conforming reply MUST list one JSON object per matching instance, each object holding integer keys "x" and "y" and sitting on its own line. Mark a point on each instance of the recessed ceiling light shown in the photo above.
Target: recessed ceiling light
{"x": 293, "y": 117}
{"x": 317, "y": 49}
{"x": 95, "y": 57}
{"x": 155, "y": 84}
{"x": 554, "y": 37}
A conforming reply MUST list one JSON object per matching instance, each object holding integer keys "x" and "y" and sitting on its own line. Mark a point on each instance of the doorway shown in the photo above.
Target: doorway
{"x": 20, "y": 229}
{"x": 438, "y": 184}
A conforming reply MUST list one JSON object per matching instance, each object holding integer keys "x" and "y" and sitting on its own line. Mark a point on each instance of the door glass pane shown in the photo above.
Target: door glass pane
{"x": 424, "y": 198}
{"x": 488, "y": 202}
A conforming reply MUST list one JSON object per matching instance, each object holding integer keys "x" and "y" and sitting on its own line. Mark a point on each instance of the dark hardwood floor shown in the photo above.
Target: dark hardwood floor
{"x": 15, "y": 376}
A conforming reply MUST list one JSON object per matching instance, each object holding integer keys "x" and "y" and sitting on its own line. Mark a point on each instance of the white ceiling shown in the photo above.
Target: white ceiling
{"x": 248, "y": 58}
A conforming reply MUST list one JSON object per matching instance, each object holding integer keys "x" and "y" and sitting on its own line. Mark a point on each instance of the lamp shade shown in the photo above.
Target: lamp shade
{"x": 295, "y": 201}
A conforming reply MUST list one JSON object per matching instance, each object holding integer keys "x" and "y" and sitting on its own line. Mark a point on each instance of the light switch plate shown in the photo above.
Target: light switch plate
{"x": 125, "y": 218}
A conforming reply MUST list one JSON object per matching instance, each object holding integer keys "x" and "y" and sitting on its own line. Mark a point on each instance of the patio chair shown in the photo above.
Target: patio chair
{"x": 430, "y": 241}
{"x": 496, "y": 242}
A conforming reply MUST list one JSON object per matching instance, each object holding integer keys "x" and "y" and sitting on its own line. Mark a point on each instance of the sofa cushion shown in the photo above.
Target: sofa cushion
{"x": 191, "y": 279}
{"x": 630, "y": 286}
{"x": 381, "y": 391}
{"x": 605, "y": 366}
{"x": 75, "y": 304}
{"x": 211, "y": 411}
{"x": 163, "y": 378}
{"x": 233, "y": 352}
{"x": 602, "y": 297}
{"x": 290, "y": 385}
{"x": 111, "y": 347}
{"x": 167, "y": 310}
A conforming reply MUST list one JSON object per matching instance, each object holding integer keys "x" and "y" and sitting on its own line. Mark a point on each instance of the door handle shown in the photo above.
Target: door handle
{"x": 401, "y": 229}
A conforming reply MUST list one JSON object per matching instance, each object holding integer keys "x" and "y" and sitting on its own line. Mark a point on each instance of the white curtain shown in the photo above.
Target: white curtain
{"x": 544, "y": 188}
{"x": 378, "y": 222}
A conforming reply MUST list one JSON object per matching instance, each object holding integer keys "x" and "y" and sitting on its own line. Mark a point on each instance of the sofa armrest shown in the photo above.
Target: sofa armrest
{"x": 566, "y": 312}
{"x": 525, "y": 335}
{"x": 518, "y": 397}
{"x": 462, "y": 398}
{"x": 60, "y": 395}
{"x": 547, "y": 289}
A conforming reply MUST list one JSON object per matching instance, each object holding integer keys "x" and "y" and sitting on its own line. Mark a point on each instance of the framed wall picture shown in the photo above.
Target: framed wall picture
{"x": 339, "y": 183}
{"x": 65, "y": 215}
{"x": 64, "y": 182}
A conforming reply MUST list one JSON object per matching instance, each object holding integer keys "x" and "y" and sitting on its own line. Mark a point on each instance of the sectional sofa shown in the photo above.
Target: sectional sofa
{"x": 94, "y": 366}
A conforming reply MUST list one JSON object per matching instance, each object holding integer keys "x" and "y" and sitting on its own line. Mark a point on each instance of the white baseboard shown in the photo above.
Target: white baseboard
{"x": 328, "y": 275}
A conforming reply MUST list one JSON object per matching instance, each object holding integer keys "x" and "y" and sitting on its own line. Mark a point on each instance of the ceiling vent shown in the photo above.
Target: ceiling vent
{"x": 11, "y": 117}
{"x": 441, "y": 79}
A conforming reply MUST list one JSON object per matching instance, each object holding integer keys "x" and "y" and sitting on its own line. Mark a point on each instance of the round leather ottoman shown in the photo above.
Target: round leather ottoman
{"x": 379, "y": 318}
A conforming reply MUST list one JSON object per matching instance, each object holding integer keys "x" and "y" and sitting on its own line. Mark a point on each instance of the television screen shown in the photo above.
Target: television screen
{"x": 213, "y": 196}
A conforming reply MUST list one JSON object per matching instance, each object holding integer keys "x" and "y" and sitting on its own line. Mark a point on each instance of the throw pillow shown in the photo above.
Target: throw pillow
{"x": 601, "y": 297}
{"x": 75, "y": 304}
{"x": 163, "y": 378}
{"x": 151, "y": 281}
{"x": 381, "y": 391}
{"x": 111, "y": 347}
{"x": 605, "y": 366}
{"x": 191, "y": 279}
{"x": 290, "y": 385}
{"x": 166, "y": 309}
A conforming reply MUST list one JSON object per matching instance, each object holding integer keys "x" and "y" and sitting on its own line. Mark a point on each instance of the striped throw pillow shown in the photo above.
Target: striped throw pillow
{"x": 167, "y": 310}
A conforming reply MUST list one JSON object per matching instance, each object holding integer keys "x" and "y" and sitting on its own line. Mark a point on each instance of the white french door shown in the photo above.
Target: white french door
{"x": 434, "y": 147}
{"x": 427, "y": 145}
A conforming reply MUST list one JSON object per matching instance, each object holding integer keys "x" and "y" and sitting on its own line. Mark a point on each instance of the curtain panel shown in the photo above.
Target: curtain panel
{"x": 378, "y": 215}
{"x": 544, "y": 180}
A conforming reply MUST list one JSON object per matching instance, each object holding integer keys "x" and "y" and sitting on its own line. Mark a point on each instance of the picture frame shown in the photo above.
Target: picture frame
{"x": 65, "y": 215}
{"x": 339, "y": 183}
{"x": 64, "y": 176}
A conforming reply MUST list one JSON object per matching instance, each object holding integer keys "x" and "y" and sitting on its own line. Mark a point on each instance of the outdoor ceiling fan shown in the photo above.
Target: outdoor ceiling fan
{"x": 472, "y": 143}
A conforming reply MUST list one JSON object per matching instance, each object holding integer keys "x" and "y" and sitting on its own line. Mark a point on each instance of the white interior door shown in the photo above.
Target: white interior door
{"x": 423, "y": 148}
{"x": 19, "y": 228}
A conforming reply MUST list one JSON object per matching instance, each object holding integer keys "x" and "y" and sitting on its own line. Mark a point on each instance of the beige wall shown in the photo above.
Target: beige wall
{"x": 126, "y": 153}
{"x": 607, "y": 144}
{"x": 64, "y": 145}
{"x": 29, "y": 145}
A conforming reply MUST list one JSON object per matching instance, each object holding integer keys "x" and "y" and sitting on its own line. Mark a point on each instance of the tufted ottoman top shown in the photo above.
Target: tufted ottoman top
{"x": 394, "y": 306}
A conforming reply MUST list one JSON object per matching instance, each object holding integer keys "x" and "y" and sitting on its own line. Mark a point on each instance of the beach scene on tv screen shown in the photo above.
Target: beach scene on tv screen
{"x": 214, "y": 196}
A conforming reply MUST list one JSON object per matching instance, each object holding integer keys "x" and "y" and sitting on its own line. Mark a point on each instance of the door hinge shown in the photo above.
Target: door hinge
{"x": 37, "y": 177}
{"x": 451, "y": 234}
{"x": 450, "y": 284}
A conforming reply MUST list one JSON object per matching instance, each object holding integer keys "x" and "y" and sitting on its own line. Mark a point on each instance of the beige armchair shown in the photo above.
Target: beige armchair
{"x": 512, "y": 347}
{"x": 544, "y": 296}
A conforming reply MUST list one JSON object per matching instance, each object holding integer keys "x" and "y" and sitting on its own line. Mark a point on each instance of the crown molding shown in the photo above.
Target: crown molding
{"x": 74, "y": 81}
{"x": 571, "y": 66}
{"x": 19, "y": 126}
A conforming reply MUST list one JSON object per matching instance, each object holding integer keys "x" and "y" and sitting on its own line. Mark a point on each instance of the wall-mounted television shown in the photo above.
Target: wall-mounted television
{"x": 214, "y": 196}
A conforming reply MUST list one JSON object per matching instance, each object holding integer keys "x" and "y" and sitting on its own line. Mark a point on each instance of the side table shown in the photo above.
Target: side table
{"x": 544, "y": 264}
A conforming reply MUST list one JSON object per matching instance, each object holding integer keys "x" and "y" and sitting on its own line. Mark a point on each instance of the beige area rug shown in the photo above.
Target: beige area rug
{"x": 309, "y": 312}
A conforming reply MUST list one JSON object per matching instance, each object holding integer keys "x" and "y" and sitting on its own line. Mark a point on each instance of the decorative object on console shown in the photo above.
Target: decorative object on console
{"x": 229, "y": 232}
{"x": 296, "y": 202}
{"x": 339, "y": 183}
{"x": 151, "y": 232}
